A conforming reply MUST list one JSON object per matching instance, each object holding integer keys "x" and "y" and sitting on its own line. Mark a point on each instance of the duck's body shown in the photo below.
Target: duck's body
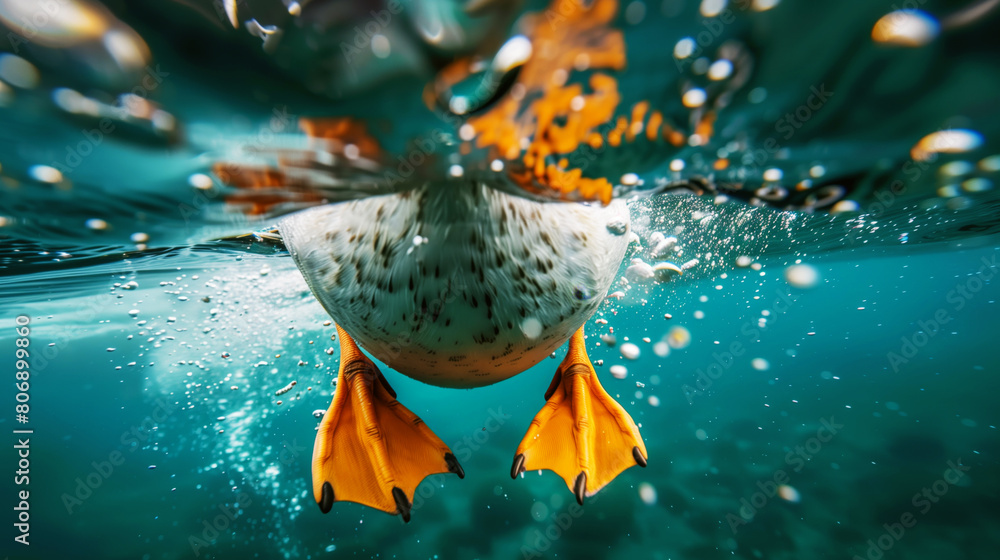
{"x": 458, "y": 284}
{"x": 454, "y": 283}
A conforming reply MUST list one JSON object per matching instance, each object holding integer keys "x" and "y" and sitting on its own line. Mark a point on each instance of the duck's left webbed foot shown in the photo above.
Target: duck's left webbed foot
{"x": 581, "y": 433}
{"x": 370, "y": 449}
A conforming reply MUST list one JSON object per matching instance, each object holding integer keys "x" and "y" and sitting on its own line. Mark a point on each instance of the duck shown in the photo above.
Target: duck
{"x": 469, "y": 258}
{"x": 460, "y": 285}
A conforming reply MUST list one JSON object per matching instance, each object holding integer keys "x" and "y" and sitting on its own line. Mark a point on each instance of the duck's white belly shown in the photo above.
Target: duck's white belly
{"x": 458, "y": 285}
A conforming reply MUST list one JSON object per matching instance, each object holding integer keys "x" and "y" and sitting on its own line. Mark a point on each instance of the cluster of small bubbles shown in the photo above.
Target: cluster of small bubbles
{"x": 245, "y": 304}
{"x": 285, "y": 389}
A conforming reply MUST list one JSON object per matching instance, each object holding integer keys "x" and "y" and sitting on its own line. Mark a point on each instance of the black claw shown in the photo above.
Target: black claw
{"x": 326, "y": 499}
{"x": 453, "y": 465}
{"x": 518, "y": 466}
{"x": 637, "y": 455}
{"x": 580, "y": 487}
{"x": 402, "y": 504}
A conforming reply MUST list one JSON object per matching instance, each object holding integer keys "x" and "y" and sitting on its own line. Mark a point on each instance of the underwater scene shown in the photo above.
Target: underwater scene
{"x": 449, "y": 280}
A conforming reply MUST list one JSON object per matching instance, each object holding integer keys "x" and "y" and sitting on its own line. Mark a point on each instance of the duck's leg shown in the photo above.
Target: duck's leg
{"x": 371, "y": 449}
{"x": 581, "y": 433}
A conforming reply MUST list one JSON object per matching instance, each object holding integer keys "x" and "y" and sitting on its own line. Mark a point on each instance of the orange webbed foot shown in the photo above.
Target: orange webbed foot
{"x": 370, "y": 449}
{"x": 582, "y": 434}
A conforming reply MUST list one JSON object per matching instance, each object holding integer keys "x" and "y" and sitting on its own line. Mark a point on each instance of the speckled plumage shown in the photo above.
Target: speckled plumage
{"x": 452, "y": 309}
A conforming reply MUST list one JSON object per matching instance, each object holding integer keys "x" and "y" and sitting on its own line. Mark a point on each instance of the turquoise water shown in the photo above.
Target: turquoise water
{"x": 819, "y": 384}
{"x": 707, "y": 450}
